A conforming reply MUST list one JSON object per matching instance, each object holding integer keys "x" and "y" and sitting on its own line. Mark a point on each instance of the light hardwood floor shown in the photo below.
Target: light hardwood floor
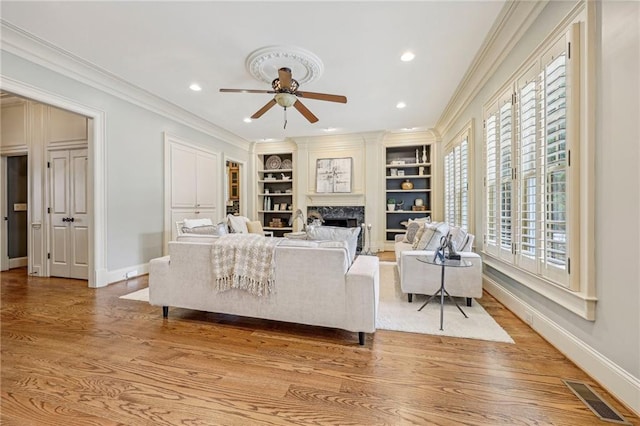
{"x": 78, "y": 356}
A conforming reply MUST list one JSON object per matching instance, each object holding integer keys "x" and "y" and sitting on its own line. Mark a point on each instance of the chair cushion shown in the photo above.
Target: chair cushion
{"x": 192, "y": 223}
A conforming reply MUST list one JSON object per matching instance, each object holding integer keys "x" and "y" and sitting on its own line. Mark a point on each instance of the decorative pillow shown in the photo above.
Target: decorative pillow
{"x": 412, "y": 230}
{"x": 221, "y": 228}
{"x": 418, "y": 235}
{"x": 467, "y": 245}
{"x": 255, "y": 227}
{"x": 430, "y": 239}
{"x": 458, "y": 237}
{"x": 238, "y": 224}
{"x": 336, "y": 233}
{"x": 192, "y": 223}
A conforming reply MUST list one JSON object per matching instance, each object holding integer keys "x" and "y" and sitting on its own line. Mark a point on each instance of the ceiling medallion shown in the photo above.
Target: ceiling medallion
{"x": 263, "y": 64}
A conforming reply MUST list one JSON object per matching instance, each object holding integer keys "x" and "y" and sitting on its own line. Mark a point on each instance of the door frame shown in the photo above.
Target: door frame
{"x": 98, "y": 274}
{"x": 242, "y": 167}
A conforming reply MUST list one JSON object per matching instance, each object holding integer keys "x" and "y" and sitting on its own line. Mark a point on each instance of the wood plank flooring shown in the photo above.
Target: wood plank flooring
{"x": 78, "y": 356}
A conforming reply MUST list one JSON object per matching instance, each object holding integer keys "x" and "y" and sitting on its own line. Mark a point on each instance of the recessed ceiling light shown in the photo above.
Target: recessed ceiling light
{"x": 407, "y": 56}
{"x": 247, "y": 120}
{"x": 330, "y": 129}
{"x": 400, "y": 105}
{"x": 195, "y": 87}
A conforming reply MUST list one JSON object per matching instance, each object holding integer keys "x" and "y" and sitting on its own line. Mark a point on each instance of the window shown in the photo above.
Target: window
{"x": 532, "y": 191}
{"x": 456, "y": 180}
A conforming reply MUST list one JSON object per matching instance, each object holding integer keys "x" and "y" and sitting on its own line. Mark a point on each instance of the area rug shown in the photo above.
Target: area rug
{"x": 140, "y": 295}
{"x": 396, "y": 313}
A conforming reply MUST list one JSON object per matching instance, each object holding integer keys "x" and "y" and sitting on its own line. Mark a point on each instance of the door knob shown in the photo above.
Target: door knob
{"x": 71, "y": 219}
{"x": 65, "y": 219}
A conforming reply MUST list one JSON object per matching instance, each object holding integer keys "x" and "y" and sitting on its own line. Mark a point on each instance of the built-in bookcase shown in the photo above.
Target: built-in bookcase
{"x": 410, "y": 164}
{"x": 275, "y": 191}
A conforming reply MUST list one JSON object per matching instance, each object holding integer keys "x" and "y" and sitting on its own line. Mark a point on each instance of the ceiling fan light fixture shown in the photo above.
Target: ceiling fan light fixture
{"x": 285, "y": 99}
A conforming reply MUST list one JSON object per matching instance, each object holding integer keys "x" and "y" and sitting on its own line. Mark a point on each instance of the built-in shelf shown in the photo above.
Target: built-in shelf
{"x": 275, "y": 189}
{"x": 416, "y": 172}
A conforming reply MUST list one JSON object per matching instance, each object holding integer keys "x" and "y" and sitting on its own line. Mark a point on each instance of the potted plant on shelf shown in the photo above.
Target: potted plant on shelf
{"x": 391, "y": 204}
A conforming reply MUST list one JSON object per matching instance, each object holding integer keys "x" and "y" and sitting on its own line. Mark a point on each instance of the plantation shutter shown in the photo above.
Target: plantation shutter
{"x": 491, "y": 183}
{"x": 554, "y": 160}
{"x": 529, "y": 180}
{"x": 464, "y": 183}
{"x": 506, "y": 179}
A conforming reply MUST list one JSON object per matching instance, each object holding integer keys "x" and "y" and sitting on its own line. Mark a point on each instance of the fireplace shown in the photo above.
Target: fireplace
{"x": 343, "y": 216}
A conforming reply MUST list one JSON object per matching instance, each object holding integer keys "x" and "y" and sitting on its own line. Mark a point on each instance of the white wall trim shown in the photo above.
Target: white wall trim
{"x": 611, "y": 376}
{"x": 121, "y": 274}
{"x": 27, "y": 46}
{"x": 18, "y": 262}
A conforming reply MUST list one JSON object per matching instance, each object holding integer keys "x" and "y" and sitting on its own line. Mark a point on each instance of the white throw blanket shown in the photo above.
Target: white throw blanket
{"x": 244, "y": 261}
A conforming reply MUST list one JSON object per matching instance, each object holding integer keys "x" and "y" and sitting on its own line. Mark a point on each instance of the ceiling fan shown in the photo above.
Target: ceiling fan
{"x": 286, "y": 93}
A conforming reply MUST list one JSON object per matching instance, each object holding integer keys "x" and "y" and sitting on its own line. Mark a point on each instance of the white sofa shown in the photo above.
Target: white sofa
{"x": 423, "y": 278}
{"x": 315, "y": 283}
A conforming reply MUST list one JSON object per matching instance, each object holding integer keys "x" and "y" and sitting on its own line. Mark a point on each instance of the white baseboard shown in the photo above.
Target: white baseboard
{"x": 609, "y": 375}
{"x": 131, "y": 271}
{"x": 18, "y": 262}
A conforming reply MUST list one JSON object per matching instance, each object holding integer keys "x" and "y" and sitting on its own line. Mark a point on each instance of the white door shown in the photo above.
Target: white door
{"x": 69, "y": 249}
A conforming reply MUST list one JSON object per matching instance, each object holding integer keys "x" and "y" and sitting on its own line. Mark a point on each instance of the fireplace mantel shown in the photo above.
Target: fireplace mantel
{"x": 336, "y": 199}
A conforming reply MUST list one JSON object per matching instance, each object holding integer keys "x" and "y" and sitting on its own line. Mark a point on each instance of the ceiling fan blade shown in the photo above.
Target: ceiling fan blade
{"x": 264, "y": 109}
{"x": 305, "y": 111}
{"x": 284, "y": 74}
{"x": 323, "y": 97}
{"x": 246, "y": 91}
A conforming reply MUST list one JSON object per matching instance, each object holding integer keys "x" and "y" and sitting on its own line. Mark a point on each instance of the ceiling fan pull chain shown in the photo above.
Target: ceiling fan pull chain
{"x": 285, "y": 117}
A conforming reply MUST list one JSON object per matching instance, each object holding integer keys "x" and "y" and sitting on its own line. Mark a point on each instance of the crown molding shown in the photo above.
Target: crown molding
{"x": 514, "y": 20}
{"x": 39, "y": 51}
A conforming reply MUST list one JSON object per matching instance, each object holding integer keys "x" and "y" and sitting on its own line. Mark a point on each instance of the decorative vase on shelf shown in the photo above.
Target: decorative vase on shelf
{"x": 424, "y": 154}
{"x": 407, "y": 184}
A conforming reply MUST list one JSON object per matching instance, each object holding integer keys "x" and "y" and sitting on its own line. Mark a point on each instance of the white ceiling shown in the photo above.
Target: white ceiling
{"x": 163, "y": 47}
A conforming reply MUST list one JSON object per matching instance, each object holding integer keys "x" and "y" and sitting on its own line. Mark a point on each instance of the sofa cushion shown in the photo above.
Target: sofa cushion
{"x": 430, "y": 238}
{"x": 255, "y": 227}
{"x": 336, "y": 233}
{"x": 238, "y": 224}
{"x": 204, "y": 229}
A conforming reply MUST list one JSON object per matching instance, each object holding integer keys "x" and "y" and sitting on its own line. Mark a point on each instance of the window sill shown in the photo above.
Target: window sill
{"x": 577, "y": 302}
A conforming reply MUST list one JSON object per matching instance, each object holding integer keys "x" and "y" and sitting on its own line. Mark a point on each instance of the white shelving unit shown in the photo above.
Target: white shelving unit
{"x": 275, "y": 192}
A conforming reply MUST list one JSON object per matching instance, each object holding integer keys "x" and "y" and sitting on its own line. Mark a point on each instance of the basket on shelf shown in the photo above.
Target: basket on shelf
{"x": 419, "y": 208}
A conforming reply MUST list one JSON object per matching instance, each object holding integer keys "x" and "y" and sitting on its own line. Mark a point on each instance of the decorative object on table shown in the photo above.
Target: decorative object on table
{"x": 407, "y": 184}
{"x": 451, "y": 252}
{"x": 393, "y": 172}
{"x": 333, "y": 175}
{"x": 418, "y": 202}
{"x": 286, "y": 164}
{"x": 424, "y": 154}
{"x": 400, "y": 205}
{"x": 417, "y": 157}
{"x": 364, "y": 239}
{"x": 285, "y": 177}
{"x": 391, "y": 204}
{"x": 421, "y": 170}
{"x": 369, "y": 240}
{"x": 273, "y": 162}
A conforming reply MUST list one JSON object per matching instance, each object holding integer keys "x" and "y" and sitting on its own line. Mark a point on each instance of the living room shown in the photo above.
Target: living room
{"x": 598, "y": 330}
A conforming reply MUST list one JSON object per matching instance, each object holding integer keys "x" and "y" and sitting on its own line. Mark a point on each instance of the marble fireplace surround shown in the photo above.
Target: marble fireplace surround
{"x": 344, "y": 216}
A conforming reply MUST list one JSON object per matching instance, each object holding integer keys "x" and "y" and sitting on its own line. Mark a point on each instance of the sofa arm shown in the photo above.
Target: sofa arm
{"x": 399, "y": 237}
{"x": 362, "y": 293}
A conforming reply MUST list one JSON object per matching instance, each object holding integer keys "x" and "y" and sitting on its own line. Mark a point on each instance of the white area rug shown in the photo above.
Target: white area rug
{"x": 396, "y": 313}
{"x": 141, "y": 295}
